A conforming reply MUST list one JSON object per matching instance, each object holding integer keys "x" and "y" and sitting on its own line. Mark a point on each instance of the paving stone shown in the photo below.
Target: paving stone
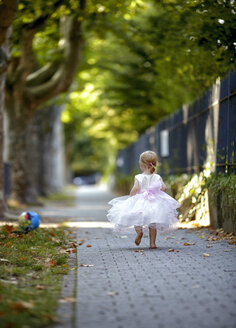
{"x": 153, "y": 288}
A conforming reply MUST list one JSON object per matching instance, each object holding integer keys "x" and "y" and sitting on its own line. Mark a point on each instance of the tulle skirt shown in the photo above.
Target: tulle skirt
{"x": 147, "y": 209}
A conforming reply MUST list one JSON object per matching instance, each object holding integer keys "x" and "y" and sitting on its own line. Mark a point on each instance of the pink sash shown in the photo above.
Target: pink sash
{"x": 150, "y": 193}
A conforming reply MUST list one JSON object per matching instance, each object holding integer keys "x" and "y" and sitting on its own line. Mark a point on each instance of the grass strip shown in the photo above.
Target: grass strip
{"x": 31, "y": 271}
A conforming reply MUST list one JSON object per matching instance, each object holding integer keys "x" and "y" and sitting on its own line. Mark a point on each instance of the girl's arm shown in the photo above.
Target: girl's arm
{"x": 135, "y": 188}
{"x": 163, "y": 187}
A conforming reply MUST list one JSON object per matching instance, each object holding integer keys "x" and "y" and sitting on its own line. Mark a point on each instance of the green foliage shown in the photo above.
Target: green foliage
{"x": 143, "y": 63}
{"x": 124, "y": 183}
{"x": 222, "y": 193}
{"x": 191, "y": 192}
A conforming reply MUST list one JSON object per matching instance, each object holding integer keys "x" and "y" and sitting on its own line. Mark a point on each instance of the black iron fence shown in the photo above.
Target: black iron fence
{"x": 197, "y": 135}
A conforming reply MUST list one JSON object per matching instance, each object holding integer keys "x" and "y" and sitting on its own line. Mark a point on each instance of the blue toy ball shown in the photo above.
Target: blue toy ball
{"x": 29, "y": 221}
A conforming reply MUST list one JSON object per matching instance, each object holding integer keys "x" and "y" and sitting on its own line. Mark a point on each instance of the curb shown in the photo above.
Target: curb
{"x": 66, "y": 309}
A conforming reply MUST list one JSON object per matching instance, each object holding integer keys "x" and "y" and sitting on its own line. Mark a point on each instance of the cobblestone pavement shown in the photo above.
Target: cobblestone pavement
{"x": 129, "y": 286}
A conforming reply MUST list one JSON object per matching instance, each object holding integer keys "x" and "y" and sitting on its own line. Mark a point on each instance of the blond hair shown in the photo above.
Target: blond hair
{"x": 149, "y": 159}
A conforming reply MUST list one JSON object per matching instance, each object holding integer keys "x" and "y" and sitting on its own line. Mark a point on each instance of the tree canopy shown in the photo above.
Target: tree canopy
{"x": 140, "y": 65}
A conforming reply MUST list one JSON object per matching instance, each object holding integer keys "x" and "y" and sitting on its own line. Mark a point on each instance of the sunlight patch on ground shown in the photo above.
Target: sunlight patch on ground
{"x": 92, "y": 188}
{"x": 104, "y": 224}
{"x": 70, "y": 224}
{"x": 89, "y": 224}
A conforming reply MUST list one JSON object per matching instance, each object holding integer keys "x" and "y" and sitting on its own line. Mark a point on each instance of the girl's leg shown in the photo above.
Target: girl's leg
{"x": 152, "y": 236}
{"x": 139, "y": 231}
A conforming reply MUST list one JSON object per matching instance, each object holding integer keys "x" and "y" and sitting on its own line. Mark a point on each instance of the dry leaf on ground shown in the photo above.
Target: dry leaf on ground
{"x": 21, "y": 305}
{"x": 86, "y": 265}
{"x": 67, "y": 299}
{"x": 41, "y": 287}
{"x": 71, "y": 250}
{"x": 232, "y": 242}
{"x": 206, "y": 254}
{"x": 7, "y": 228}
{"x": 113, "y": 293}
{"x": 50, "y": 263}
{"x": 88, "y": 245}
{"x": 171, "y": 250}
{"x": 189, "y": 244}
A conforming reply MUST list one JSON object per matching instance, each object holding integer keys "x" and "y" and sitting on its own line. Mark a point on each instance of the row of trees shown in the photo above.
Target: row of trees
{"x": 47, "y": 41}
{"x": 131, "y": 63}
{"x": 141, "y": 67}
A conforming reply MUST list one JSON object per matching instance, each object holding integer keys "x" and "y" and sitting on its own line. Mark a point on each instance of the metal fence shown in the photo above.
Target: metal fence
{"x": 199, "y": 134}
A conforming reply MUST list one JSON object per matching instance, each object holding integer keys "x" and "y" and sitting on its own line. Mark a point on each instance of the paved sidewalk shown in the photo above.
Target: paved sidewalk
{"x": 151, "y": 288}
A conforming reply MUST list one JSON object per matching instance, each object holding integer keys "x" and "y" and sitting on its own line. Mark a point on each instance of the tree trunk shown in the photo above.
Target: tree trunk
{"x": 7, "y": 12}
{"x": 27, "y": 90}
{"x": 52, "y": 162}
{"x": 2, "y": 193}
{"x": 20, "y": 123}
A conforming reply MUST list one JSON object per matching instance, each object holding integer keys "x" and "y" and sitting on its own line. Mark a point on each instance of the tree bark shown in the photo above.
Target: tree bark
{"x": 2, "y": 191}
{"x": 51, "y": 143}
{"x": 7, "y": 12}
{"x": 8, "y": 9}
{"x": 27, "y": 90}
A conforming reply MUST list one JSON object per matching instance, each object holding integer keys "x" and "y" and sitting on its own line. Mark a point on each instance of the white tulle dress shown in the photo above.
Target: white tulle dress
{"x": 150, "y": 207}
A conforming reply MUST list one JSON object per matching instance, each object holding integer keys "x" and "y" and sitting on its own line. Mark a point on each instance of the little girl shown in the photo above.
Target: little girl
{"x": 147, "y": 206}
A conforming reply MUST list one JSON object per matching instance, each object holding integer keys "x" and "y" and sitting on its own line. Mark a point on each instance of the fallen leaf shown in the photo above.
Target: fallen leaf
{"x": 70, "y": 250}
{"x": 86, "y": 265}
{"x": 50, "y": 263}
{"x": 171, "y": 250}
{"x": 211, "y": 238}
{"x": 73, "y": 245}
{"x": 189, "y": 244}
{"x": 208, "y": 246}
{"x": 88, "y": 245}
{"x": 21, "y": 305}
{"x": 139, "y": 250}
{"x": 12, "y": 235}
{"x": 113, "y": 293}
{"x": 22, "y": 258}
{"x": 7, "y": 228}
{"x": 67, "y": 299}
{"x": 56, "y": 240}
{"x": 49, "y": 317}
{"x": 206, "y": 254}
{"x": 233, "y": 242}
{"x": 41, "y": 287}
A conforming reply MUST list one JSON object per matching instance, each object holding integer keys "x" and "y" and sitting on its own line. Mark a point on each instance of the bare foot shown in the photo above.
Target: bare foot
{"x": 153, "y": 247}
{"x": 138, "y": 238}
